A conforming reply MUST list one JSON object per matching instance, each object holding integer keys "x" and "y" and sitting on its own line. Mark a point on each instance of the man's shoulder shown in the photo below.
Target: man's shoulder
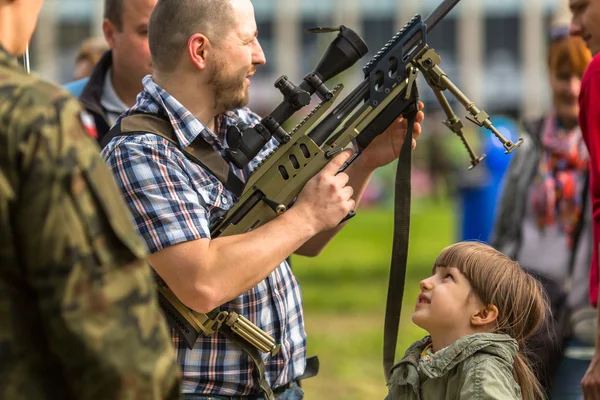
{"x": 76, "y": 87}
{"x": 33, "y": 100}
{"x": 16, "y": 85}
{"x": 126, "y": 146}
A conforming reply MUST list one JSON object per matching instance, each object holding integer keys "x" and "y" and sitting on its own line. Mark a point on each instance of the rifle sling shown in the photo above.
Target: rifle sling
{"x": 202, "y": 154}
{"x": 198, "y": 151}
{"x": 402, "y": 196}
{"x": 255, "y": 356}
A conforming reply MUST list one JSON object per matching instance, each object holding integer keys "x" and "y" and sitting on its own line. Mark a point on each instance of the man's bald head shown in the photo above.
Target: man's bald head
{"x": 173, "y": 22}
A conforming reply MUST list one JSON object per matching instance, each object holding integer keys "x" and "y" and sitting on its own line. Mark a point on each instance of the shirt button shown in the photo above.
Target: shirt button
{"x": 225, "y": 201}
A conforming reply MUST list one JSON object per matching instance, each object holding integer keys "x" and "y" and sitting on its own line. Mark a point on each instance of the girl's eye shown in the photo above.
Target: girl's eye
{"x": 449, "y": 276}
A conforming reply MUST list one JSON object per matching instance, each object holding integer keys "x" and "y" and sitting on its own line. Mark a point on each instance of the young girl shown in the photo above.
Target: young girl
{"x": 478, "y": 307}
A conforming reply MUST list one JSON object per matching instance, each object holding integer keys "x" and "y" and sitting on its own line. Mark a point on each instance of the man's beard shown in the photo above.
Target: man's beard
{"x": 228, "y": 91}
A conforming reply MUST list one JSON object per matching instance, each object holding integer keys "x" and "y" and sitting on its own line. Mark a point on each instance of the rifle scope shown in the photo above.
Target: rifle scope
{"x": 344, "y": 51}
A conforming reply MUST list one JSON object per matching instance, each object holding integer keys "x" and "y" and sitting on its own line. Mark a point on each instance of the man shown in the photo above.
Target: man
{"x": 78, "y": 312}
{"x": 586, "y": 23}
{"x": 204, "y": 53}
{"x": 117, "y": 78}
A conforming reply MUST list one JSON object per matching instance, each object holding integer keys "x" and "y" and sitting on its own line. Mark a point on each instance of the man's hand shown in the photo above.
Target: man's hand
{"x": 385, "y": 148}
{"x": 326, "y": 199}
{"x": 591, "y": 380}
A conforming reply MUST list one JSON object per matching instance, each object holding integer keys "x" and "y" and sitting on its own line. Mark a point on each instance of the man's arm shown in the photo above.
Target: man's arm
{"x": 202, "y": 272}
{"x": 384, "y": 149}
{"x": 83, "y": 263}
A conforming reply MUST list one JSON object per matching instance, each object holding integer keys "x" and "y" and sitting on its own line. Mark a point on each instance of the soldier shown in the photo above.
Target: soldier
{"x": 78, "y": 313}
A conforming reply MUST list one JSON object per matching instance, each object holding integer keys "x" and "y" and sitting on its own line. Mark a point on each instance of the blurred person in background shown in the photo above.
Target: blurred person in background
{"x": 90, "y": 52}
{"x": 79, "y": 317}
{"x": 585, "y": 22}
{"x": 117, "y": 78}
{"x": 544, "y": 220}
{"x": 438, "y": 164}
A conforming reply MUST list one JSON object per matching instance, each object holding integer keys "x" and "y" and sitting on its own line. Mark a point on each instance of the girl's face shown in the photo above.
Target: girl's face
{"x": 446, "y": 304}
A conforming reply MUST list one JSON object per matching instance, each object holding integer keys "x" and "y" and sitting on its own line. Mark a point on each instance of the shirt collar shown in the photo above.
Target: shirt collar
{"x": 187, "y": 127}
{"x": 110, "y": 99}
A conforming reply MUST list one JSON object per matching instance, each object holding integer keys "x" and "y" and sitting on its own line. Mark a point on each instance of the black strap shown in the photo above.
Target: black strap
{"x": 256, "y": 358}
{"x": 199, "y": 151}
{"x": 396, "y": 283}
{"x": 312, "y": 368}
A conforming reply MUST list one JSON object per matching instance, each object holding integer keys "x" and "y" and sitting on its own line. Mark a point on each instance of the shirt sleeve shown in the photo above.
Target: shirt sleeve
{"x": 489, "y": 379}
{"x": 168, "y": 207}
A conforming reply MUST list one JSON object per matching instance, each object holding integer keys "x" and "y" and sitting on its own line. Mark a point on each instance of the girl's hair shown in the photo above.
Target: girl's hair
{"x": 522, "y": 304}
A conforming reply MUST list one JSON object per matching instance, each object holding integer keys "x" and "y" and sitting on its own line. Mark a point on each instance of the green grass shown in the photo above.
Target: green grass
{"x": 345, "y": 289}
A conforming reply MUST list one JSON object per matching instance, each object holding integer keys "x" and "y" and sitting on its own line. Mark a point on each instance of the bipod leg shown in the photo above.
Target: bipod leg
{"x": 428, "y": 63}
{"x": 477, "y": 116}
{"x": 455, "y": 125}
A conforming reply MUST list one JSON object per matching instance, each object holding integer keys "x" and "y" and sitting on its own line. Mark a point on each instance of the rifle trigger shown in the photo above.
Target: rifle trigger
{"x": 332, "y": 153}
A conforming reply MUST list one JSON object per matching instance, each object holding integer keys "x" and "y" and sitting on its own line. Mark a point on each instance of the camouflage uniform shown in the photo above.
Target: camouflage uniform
{"x": 78, "y": 311}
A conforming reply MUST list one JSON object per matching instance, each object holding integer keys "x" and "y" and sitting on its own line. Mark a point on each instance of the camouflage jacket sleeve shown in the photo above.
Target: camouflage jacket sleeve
{"x": 85, "y": 288}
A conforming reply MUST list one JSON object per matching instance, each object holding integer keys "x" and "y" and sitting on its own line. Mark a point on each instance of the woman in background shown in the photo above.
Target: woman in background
{"x": 544, "y": 221}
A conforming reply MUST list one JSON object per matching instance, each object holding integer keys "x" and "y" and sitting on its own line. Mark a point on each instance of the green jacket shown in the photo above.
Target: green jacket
{"x": 79, "y": 317}
{"x": 474, "y": 367}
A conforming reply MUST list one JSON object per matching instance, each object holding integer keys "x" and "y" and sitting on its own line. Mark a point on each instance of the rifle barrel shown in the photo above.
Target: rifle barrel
{"x": 439, "y": 13}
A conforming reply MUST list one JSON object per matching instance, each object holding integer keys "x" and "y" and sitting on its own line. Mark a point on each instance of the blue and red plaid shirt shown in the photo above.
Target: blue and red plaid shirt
{"x": 174, "y": 200}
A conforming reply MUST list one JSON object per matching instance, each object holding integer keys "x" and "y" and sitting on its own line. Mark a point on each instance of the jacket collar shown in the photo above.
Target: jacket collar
{"x": 92, "y": 93}
{"x": 7, "y": 59}
{"x": 496, "y": 344}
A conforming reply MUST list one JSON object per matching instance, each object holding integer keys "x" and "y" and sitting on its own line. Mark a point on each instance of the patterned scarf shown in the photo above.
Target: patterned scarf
{"x": 557, "y": 188}
{"x": 426, "y": 354}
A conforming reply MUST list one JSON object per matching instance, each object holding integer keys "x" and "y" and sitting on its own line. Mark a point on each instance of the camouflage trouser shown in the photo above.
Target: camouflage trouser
{"x": 292, "y": 393}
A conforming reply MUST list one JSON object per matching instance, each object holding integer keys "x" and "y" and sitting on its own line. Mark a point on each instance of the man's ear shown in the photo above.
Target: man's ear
{"x": 110, "y": 32}
{"x": 485, "y": 315}
{"x": 199, "y": 48}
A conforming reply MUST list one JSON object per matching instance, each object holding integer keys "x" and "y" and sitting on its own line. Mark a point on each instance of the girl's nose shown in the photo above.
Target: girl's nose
{"x": 426, "y": 284}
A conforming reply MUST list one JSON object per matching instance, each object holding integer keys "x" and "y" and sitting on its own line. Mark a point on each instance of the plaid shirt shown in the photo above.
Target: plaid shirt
{"x": 174, "y": 200}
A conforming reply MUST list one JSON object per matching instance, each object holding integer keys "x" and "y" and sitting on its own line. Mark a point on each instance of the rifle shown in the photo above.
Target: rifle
{"x": 388, "y": 90}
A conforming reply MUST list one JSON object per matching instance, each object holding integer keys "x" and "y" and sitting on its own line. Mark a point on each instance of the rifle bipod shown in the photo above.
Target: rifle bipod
{"x": 428, "y": 63}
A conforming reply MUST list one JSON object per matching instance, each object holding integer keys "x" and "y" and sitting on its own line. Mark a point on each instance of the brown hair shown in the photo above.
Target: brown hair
{"x": 571, "y": 51}
{"x": 113, "y": 11}
{"x": 173, "y": 22}
{"x": 522, "y": 304}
